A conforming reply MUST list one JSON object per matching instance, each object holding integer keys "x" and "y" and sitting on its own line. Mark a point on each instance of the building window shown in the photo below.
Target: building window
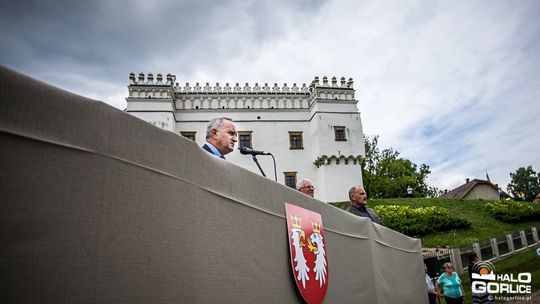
{"x": 340, "y": 133}
{"x": 295, "y": 140}
{"x": 189, "y": 134}
{"x": 290, "y": 179}
{"x": 244, "y": 138}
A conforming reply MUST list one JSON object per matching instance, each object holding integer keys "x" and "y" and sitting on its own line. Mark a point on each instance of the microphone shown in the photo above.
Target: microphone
{"x": 246, "y": 150}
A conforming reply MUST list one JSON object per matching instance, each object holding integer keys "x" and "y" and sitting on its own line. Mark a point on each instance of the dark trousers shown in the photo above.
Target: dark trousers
{"x": 432, "y": 298}
{"x": 450, "y": 300}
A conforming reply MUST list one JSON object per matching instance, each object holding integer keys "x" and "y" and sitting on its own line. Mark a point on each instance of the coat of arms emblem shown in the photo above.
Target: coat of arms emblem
{"x": 308, "y": 252}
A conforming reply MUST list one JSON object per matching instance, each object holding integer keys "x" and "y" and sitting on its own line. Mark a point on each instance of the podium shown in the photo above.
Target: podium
{"x": 98, "y": 206}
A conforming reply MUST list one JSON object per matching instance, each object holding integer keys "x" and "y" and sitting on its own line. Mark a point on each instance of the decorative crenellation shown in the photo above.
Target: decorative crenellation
{"x": 237, "y": 89}
{"x": 331, "y": 92}
{"x": 343, "y": 83}
{"x": 150, "y": 79}
{"x": 146, "y": 86}
{"x": 151, "y": 92}
{"x": 327, "y": 160}
{"x": 245, "y": 89}
{"x": 238, "y": 101}
{"x": 150, "y": 88}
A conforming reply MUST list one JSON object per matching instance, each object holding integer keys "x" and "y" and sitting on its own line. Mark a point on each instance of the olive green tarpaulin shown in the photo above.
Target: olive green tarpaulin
{"x": 98, "y": 206}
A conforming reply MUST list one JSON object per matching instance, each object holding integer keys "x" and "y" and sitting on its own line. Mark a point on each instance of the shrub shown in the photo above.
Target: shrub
{"x": 419, "y": 221}
{"x": 512, "y": 211}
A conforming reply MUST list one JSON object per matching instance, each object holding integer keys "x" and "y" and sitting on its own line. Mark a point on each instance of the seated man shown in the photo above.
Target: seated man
{"x": 358, "y": 198}
{"x": 306, "y": 186}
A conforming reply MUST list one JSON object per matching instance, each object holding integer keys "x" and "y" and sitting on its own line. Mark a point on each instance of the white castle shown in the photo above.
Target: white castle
{"x": 313, "y": 132}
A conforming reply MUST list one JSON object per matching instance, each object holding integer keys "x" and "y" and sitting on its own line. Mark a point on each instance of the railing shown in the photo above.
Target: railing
{"x": 491, "y": 250}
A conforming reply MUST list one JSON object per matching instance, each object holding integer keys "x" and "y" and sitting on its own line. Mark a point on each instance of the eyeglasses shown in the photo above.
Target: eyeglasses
{"x": 309, "y": 187}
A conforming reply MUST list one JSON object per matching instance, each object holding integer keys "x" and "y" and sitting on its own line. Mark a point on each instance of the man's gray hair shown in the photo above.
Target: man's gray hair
{"x": 216, "y": 123}
{"x": 351, "y": 191}
{"x": 302, "y": 182}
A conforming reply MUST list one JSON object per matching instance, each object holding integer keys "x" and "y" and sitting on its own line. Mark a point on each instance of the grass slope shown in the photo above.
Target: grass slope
{"x": 483, "y": 225}
{"x": 527, "y": 261}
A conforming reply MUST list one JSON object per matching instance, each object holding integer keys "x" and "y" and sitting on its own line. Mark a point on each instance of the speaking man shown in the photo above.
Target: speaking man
{"x": 358, "y": 198}
{"x": 221, "y": 135}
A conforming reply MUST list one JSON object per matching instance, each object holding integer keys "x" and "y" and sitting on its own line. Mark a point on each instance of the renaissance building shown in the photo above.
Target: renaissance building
{"x": 312, "y": 131}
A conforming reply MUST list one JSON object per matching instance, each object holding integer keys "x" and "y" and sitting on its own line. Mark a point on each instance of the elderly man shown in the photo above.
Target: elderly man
{"x": 221, "y": 135}
{"x": 358, "y": 198}
{"x": 306, "y": 186}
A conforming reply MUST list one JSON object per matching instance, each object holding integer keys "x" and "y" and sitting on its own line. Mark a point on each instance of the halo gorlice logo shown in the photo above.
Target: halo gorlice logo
{"x": 483, "y": 271}
{"x": 486, "y": 281}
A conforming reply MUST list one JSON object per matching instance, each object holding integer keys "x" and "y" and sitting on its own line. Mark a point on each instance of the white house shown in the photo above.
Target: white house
{"x": 313, "y": 132}
{"x": 474, "y": 189}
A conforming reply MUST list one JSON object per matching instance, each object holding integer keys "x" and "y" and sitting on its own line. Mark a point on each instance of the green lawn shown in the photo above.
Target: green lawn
{"x": 483, "y": 225}
{"x": 527, "y": 261}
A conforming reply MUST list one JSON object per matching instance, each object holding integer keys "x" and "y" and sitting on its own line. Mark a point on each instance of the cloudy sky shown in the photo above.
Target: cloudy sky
{"x": 453, "y": 84}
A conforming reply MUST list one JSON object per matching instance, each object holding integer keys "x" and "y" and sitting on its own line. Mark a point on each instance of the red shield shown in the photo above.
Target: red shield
{"x": 308, "y": 252}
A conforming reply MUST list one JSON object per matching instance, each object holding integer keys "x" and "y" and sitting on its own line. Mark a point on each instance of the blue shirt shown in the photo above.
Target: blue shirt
{"x": 215, "y": 151}
{"x": 451, "y": 285}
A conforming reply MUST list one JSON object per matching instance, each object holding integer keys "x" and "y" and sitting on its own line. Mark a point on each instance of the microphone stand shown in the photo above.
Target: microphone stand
{"x": 257, "y": 162}
{"x": 254, "y": 154}
{"x": 275, "y": 172}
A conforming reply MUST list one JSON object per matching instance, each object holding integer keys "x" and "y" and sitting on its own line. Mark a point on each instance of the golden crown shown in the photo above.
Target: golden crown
{"x": 296, "y": 221}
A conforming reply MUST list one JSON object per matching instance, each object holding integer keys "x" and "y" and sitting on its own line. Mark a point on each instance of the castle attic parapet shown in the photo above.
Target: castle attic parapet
{"x": 315, "y": 83}
{"x": 140, "y": 81}
{"x": 145, "y": 87}
{"x": 238, "y": 89}
{"x": 149, "y": 80}
{"x": 332, "y": 91}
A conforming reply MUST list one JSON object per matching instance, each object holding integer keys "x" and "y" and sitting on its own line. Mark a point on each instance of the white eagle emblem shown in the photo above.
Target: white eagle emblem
{"x": 308, "y": 252}
{"x": 320, "y": 255}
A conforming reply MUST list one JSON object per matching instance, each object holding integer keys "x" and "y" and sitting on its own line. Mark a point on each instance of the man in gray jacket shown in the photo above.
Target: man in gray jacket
{"x": 358, "y": 198}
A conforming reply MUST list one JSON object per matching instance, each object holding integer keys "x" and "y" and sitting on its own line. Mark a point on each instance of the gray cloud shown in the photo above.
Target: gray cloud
{"x": 450, "y": 84}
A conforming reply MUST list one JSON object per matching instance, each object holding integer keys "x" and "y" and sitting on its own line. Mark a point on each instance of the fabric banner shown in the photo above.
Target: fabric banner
{"x": 101, "y": 207}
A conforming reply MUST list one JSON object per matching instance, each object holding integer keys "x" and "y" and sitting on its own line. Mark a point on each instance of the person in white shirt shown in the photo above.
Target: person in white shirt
{"x": 432, "y": 293}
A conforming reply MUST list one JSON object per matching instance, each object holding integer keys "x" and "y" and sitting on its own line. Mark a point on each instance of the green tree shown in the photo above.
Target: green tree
{"x": 387, "y": 175}
{"x": 525, "y": 180}
{"x": 433, "y": 191}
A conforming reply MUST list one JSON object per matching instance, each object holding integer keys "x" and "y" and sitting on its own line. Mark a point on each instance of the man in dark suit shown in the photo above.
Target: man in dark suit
{"x": 358, "y": 198}
{"x": 221, "y": 135}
